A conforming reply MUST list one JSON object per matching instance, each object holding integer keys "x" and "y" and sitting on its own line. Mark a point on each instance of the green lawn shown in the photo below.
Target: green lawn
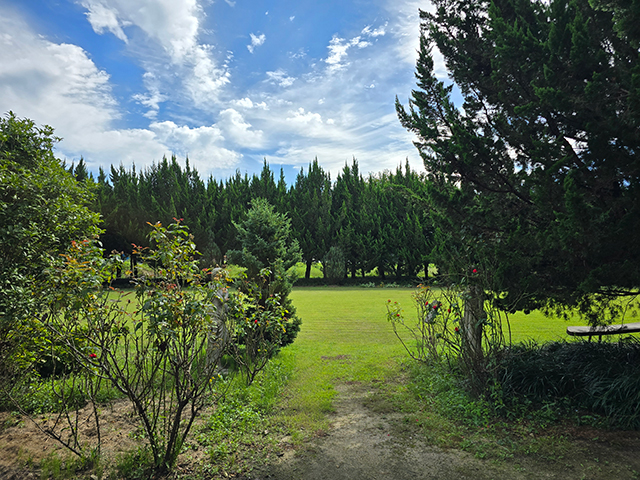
{"x": 345, "y": 337}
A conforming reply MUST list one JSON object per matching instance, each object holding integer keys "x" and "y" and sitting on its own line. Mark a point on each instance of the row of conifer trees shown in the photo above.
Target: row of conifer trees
{"x": 374, "y": 223}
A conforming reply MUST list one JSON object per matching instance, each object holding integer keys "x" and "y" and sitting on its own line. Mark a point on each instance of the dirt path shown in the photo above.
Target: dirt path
{"x": 363, "y": 445}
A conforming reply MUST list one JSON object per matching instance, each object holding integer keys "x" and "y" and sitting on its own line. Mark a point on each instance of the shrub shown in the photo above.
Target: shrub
{"x": 265, "y": 317}
{"x": 334, "y": 264}
{"x": 155, "y": 348}
{"x": 603, "y": 378}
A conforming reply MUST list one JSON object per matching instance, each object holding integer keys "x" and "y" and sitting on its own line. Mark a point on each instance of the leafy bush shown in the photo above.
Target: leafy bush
{"x": 334, "y": 264}
{"x": 42, "y": 210}
{"x": 603, "y": 378}
{"x": 159, "y": 354}
{"x": 265, "y": 317}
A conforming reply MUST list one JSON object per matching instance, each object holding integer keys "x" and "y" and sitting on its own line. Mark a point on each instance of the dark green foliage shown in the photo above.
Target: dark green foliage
{"x": 310, "y": 212}
{"x": 268, "y": 253}
{"x": 535, "y": 179}
{"x": 42, "y": 211}
{"x": 603, "y": 378}
{"x": 334, "y": 267}
{"x": 374, "y": 220}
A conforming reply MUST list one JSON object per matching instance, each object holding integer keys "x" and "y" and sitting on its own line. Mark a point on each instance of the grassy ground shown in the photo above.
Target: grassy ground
{"x": 345, "y": 337}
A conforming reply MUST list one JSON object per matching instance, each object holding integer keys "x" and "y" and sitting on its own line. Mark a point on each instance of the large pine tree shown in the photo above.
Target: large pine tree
{"x": 536, "y": 178}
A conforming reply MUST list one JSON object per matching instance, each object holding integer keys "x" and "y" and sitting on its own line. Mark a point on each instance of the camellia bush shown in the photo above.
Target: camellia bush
{"x": 160, "y": 345}
{"x": 450, "y": 326}
{"x": 151, "y": 344}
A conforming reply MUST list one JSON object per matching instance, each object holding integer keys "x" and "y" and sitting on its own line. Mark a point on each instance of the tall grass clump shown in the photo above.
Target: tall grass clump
{"x": 601, "y": 378}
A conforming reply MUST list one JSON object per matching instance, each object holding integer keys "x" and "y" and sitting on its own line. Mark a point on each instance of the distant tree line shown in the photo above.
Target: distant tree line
{"x": 362, "y": 223}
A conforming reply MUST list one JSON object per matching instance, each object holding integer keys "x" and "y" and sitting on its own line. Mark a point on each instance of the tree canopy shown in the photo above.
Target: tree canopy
{"x": 535, "y": 178}
{"x": 42, "y": 210}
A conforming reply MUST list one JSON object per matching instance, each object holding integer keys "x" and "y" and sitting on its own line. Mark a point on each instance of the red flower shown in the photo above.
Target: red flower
{"x": 93, "y": 355}
{"x": 475, "y": 270}
{"x": 435, "y": 305}
{"x": 448, "y": 310}
{"x": 457, "y": 330}
{"x": 256, "y": 321}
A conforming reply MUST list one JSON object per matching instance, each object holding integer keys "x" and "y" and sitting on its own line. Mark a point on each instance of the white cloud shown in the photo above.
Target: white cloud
{"x": 256, "y": 41}
{"x": 244, "y": 102}
{"x": 153, "y": 98}
{"x": 59, "y": 85}
{"x": 102, "y": 17}
{"x": 281, "y": 78}
{"x": 299, "y": 54}
{"x": 292, "y": 18}
{"x": 239, "y": 131}
{"x": 247, "y": 103}
{"x": 203, "y": 145}
{"x": 46, "y": 81}
{"x": 405, "y": 28}
{"x": 173, "y": 26}
{"x": 338, "y": 48}
{"x": 302, "y": 117}
{"x": 376, "y": 32}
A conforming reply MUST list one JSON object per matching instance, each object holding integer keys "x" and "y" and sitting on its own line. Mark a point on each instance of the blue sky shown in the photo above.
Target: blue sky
{"x": 225, "y": 82}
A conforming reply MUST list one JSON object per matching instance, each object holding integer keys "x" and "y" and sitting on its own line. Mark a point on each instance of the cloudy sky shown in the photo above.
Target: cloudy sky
{"x": 225, "y": 82}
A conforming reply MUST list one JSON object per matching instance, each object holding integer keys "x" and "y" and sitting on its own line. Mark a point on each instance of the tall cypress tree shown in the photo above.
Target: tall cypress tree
{"x": 311, "y": 213}
{"x": 536, "y": 178}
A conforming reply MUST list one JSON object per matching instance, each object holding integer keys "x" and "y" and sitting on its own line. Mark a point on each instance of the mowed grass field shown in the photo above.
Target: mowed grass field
{"x": 345, "y": 337}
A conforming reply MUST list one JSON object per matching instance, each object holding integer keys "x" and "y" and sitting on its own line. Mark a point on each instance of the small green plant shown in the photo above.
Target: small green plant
{"x": 259, "y": 326}
{"x": 157, "y": 353}
{"x": 135, "y": 465}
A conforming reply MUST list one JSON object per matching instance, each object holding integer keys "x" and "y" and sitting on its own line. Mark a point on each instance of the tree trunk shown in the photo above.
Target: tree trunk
{"x": 472, "y": 327}
{"x": 307, "y": 272}
{"x": 218, "y": 335}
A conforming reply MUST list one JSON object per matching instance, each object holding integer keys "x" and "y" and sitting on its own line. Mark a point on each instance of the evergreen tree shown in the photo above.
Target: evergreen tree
{"x": 347, "y": 209}
{"x": 535, "y": 178}
{"x": 311, "y": 213}
{"x": 268, "y": 253}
